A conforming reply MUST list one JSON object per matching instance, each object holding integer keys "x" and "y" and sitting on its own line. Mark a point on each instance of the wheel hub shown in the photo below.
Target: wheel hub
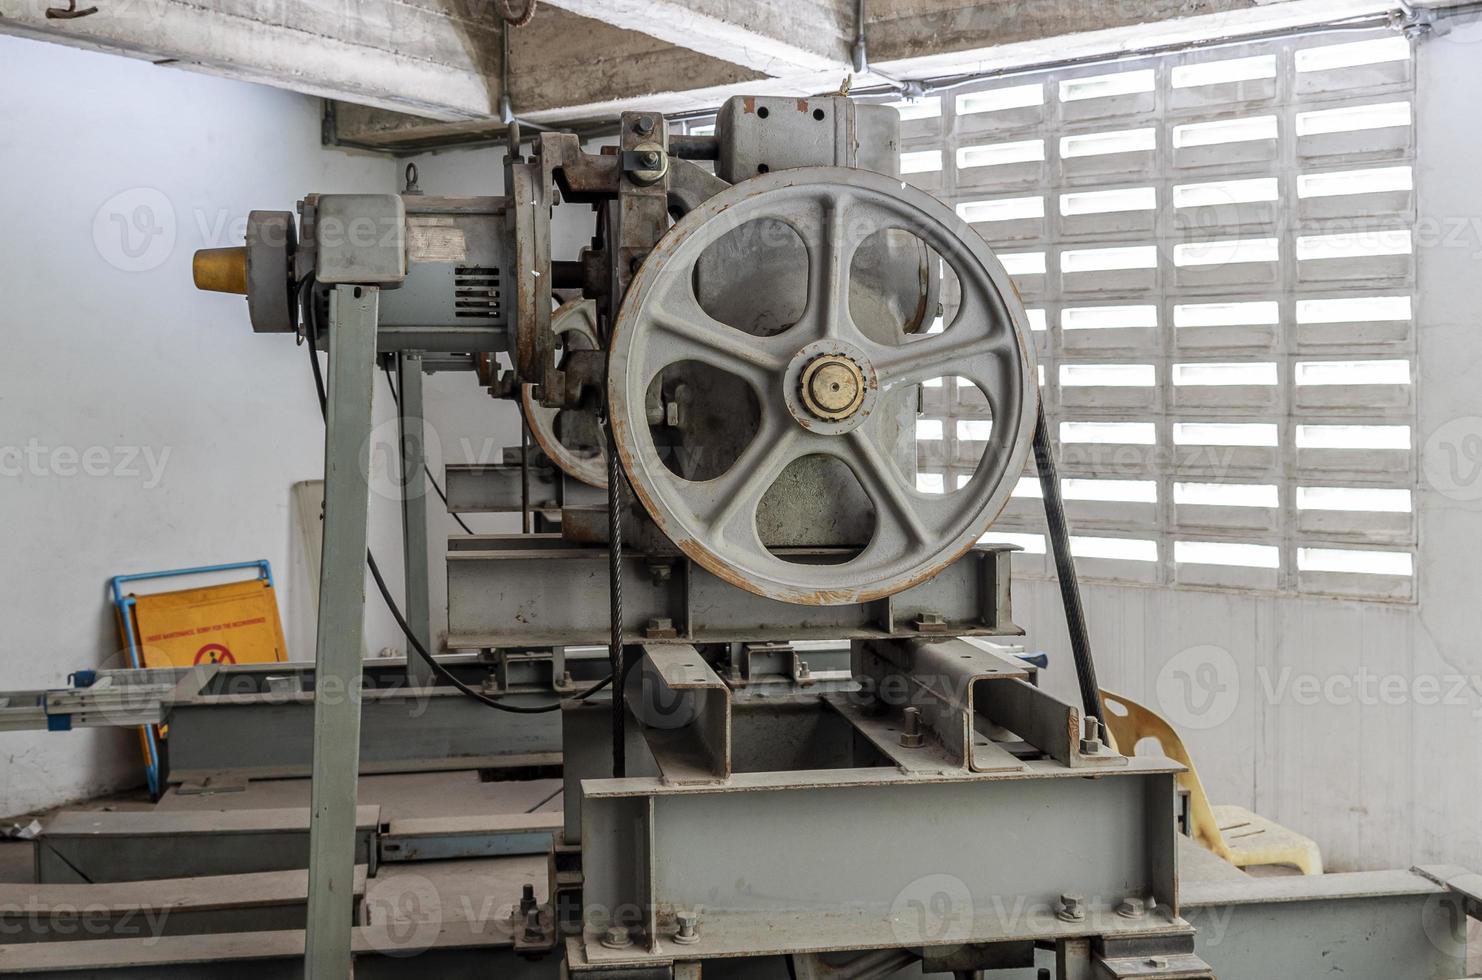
{"x": 830, "y": 386}
{"x": 833, "y": 387}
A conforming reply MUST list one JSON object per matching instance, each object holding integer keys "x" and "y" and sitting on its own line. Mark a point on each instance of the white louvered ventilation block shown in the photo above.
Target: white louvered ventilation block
{"x": 1216, "y": 251}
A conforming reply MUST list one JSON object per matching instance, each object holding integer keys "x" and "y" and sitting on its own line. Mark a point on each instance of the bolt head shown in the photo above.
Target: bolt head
{"x": 1132, "y": 908}
{"x": 644, "y": 126}
{"x": 617, "y": 937}
{"x": 689, "y": 928}
{"x": 1072, "y": 908}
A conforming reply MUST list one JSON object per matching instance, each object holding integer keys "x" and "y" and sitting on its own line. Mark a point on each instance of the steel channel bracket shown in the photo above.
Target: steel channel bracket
{"x": 962, "y": 690}
{"x": 684, "y": 710}
{"x": 1169, "y": 956}
{"x": 1464, "y": 883}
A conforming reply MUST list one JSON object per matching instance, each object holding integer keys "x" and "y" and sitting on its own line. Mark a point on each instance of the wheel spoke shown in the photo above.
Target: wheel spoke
{"x": 986, "y": 361}
{"x": 885, "y": 487}
{"x": 734, "y": 496}
{"x": 830, "y": 255}
{"x": 689, "y": 333}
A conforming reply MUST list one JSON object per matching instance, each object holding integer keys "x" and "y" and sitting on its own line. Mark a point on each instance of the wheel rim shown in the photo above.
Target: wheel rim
{"x": 577, "y": 317}
{"x": 661, "y": 323}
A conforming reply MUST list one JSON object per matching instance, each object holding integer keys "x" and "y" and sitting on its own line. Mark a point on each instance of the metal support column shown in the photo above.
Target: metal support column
{"x": 352, "y": 362}
{"x": 414, "y": 512}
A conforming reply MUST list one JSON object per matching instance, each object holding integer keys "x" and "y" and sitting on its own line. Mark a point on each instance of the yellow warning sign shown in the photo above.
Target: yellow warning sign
{"x": 236, "y": 623}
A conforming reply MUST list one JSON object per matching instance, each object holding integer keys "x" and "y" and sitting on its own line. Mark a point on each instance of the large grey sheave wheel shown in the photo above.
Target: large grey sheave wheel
{"x": 819, "y": 384}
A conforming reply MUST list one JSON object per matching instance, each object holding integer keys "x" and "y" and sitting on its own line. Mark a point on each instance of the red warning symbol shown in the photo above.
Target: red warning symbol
{"x": 214, "y": 653}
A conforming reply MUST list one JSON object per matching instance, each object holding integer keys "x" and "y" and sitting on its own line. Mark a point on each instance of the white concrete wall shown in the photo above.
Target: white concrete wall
{"x": 1356, "y": 723}
{"x": 142, "y": 424}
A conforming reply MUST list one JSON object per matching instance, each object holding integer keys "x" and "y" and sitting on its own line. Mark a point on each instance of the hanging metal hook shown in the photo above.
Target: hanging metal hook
{"x": 513, "y": 19}
{"x": 70, "y": 12}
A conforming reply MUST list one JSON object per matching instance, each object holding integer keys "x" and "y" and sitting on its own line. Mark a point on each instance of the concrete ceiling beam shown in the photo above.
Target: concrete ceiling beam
{"x": 775, "y": 38}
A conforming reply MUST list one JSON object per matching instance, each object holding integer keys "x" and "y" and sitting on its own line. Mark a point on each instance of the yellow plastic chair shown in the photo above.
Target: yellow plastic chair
{"x": 1237, "y": 835}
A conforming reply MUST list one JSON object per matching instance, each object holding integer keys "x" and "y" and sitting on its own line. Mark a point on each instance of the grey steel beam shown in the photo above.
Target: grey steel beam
{"x": 535, "y": 590}
{"x": 916, "y": 867}
{"x": 82, "y": 846}
{"x": 352, "y": 346}
{"x": 458, "y": 951}
{"x": 256, "y": 721}
{"x": 401, "y": 731}
{"x": 413, "y": 426}
{"x": 495, "y": 488}
{"x": 454, "y": 838}
{"x": 1371, "y": 925}
{"x": 194, "y": 906}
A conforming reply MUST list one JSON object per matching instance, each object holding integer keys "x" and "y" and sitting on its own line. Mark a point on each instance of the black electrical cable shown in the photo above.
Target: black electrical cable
{"x": 312, "y": 333}
{"x": 437, "y": 487}
{"x": 1070, "y": 590}
{"x": 558, "y": 792}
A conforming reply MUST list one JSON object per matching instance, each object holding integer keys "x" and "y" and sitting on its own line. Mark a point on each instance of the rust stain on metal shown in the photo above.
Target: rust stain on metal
{"x": 802, "y": 105}
{"x": 924, "y": 273}
{"x": 748, "y": 103}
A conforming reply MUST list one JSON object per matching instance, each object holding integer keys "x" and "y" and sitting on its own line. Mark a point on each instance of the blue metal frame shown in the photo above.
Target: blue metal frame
{"x": 125, "y": 606}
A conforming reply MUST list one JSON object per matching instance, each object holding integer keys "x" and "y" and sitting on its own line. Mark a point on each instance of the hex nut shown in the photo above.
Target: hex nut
{"x": 617, "y": 937}
{"x": 688, "y": 932}
{"x": 661, "y": 628}
{"x": 534, "y": 932}
{"x": 930, "y": 622}
{"x": 1072, "y": 908}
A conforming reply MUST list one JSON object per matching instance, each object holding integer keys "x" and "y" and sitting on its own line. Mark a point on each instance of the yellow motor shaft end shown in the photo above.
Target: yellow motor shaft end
{"x": 221, "y": 270}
